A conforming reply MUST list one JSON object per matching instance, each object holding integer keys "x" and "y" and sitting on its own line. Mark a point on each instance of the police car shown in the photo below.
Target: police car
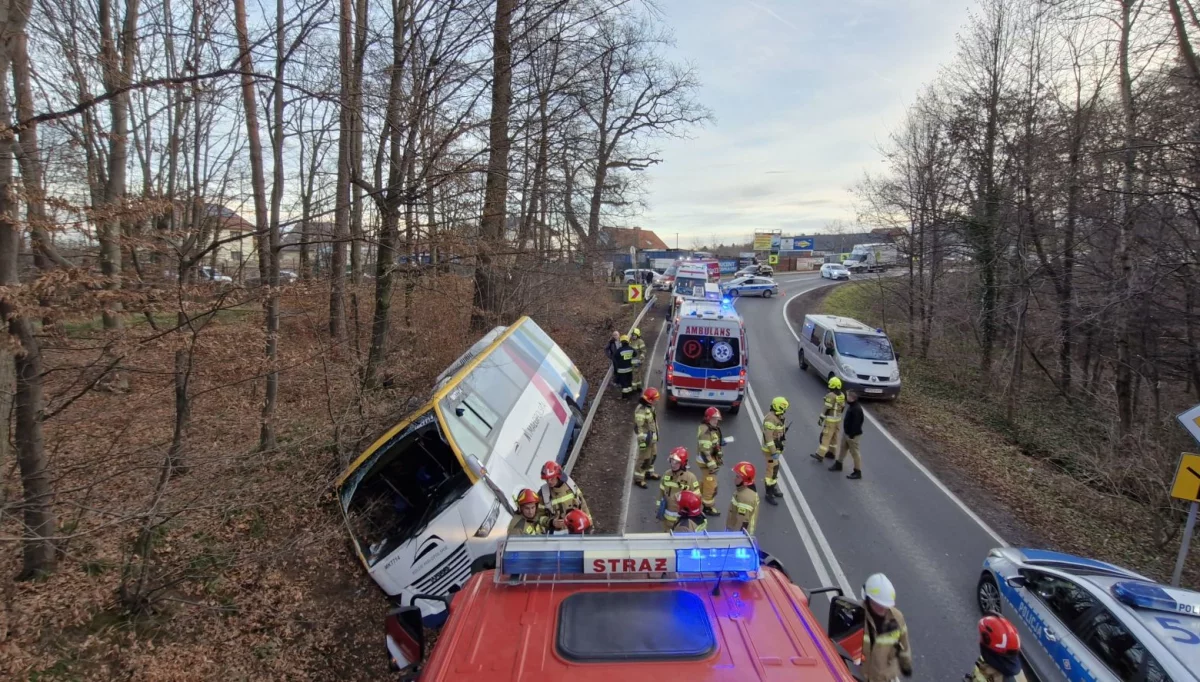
{"x": 668, "y": 607}
{"x": 1083, "y": 620}
{"x": 751, "y": 286}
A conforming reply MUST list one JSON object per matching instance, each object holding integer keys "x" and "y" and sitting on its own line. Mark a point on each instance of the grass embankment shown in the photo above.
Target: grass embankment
{"x": 1037, "y": 477}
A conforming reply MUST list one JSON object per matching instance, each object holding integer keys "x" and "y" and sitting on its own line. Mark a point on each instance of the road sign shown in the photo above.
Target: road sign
{"x": 773, "y": 259}
{"x": 1191, "y": 422}
{"x": 1187, "y": 479}
{"x": 634, "y": 293}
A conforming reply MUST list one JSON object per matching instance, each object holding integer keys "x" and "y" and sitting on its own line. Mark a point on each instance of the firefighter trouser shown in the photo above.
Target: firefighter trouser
{"x": 772, "y": 471}
{"x": 850, "y": 444}
{"x": 708, "y": 489}
{"x": 624, "y": 379}
{"x": 829, "y": 437}
{"x": 668, "y": 523}
{"x": 637, "y": 377}
{"x": 645, "y": 462}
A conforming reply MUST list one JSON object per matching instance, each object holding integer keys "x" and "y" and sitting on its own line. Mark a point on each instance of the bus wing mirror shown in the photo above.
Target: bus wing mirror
{"x": 480, "y": 471}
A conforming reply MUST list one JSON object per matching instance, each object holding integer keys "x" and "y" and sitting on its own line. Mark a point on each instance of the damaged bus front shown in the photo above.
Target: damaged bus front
{"x": 426, "y": 503}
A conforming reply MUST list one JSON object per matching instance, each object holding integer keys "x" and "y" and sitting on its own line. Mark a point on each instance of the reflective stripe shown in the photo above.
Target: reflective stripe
{"x": 625, "y": 371}
{"x": 670, "y": 515}
{"x": 741, "y": 508}
{"x": 564, "y": 499}
{"x": 890, "y": 638}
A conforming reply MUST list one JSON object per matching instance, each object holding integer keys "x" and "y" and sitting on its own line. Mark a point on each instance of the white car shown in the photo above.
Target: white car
{"x": 638, "y": 276}
{"x": 210, "y": 274}
{"x": 835, "y": 271}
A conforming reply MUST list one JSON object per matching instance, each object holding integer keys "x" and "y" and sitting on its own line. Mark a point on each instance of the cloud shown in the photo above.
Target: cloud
{"x": 772, "y": 13}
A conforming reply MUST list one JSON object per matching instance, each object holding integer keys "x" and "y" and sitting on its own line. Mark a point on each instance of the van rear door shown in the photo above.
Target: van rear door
{"x": 708, "y": 360}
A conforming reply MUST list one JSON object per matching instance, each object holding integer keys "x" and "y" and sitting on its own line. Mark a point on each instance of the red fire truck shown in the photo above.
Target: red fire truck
{"x": 700, "y": 607}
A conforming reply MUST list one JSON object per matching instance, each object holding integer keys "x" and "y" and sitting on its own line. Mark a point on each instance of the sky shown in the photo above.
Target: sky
{"x": 802, "y": 92}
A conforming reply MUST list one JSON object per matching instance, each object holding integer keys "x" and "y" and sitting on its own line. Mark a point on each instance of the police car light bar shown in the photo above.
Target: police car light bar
{"x": 1141, "y": 595}
{"x": 641, "y": 556}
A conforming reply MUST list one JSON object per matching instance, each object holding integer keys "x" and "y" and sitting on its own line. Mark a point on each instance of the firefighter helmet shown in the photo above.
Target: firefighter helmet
{"x": 835, "y": 383}
{"x": 879, "y": 589}
{"x": 745, "y": 472}
{"x": 624, "y": 338}
{"x": 526, "y": 496}
{"x": 680, "y": 454}
{"x": 650, "y": 395}
{"x": 551, "y": 470}
{"x": 637, "y": 333}
{"x": 999, "y": 635}
{"x": 690, "y": 504}
{"x": 578, "y": 522}
{"x": 710, "y": 413}
{"x": 779, "y": 405}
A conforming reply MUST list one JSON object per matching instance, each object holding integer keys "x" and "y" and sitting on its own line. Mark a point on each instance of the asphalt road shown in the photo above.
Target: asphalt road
{"x": 831, "y": 531}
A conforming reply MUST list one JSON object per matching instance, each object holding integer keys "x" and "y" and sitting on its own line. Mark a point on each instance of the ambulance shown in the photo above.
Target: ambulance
{"x": 690, "y": 283}
{"x": 668, "y": 607}
{"x": 706, "y": 357}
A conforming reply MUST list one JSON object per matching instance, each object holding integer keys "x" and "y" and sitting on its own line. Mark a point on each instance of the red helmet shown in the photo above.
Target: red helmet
{"x": 650, "y": 394}
{"x": 578, "y": 522}
{"x": 999, "y": 635}
{"x": 710, "y": 413}
{"x": 551, "y": 470}
{"x": 744, "y": 471}
{"x": 527, "y": 496}
{"x": 689, "y": 504}
{"x": 680, "y": 454}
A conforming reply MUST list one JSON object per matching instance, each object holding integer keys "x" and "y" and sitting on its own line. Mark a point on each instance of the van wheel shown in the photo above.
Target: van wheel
{"x": 803, "y": 364}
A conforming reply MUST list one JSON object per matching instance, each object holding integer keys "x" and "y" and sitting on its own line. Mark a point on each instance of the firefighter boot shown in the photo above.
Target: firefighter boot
{"x": 837, "y": 466}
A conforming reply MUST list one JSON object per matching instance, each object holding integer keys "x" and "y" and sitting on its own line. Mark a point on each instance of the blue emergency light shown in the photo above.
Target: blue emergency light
{"x": 1142, "y": 595}
{"x": 684, "y": 554}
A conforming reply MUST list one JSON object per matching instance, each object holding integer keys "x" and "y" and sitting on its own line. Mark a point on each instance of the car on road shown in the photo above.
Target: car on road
{"x": 639, "y": 275}
{"x": 861, "y": 356}
{"x": 835, "y": 271}
{"x": 763, "y": 270}
{"x": 1082, "y": 619}
{"x": 751, "y": 286}
{"x": 593, "y": 608}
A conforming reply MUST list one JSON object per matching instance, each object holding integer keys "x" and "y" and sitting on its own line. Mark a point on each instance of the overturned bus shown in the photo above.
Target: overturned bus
{"x": 426, "y": 503}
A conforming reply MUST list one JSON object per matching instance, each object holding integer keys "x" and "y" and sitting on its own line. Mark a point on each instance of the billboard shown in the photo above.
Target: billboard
{"x": 785, "y": 244}
{"x": 763, "y": 240}
{"x": 801, "y": 244}
{"x": 728, "y": 267}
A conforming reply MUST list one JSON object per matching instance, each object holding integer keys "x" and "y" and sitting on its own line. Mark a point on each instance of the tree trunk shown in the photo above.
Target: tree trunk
{"x": 1124, "y": 309}
{"x": 356, "y": 142}
{"x": 491, "y": 227}
{"x": 266, "y": 438}
{"x": 341, "y": 190}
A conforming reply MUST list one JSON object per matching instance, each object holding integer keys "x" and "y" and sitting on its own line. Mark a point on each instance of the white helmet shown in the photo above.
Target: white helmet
{"x": 879, "y": 589}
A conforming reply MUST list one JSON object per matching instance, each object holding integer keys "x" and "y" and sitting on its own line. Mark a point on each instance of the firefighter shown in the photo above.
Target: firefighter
{"x": 532, "y": 519}
{"x": 710, "y": 442}
{"x": 623, "y": 367}
{"x": 578, "y": 522}
{"x": 886, "y": 654}
{"x": 999, "y": 652}
{"x": 852, "y": 433}
{"x": 676, "y": 480}
{"x": 645, "y": 425}
{"x": 639, "y": 347}
{"x": 691, "y": 514}
{"x": 743, "y": 509}
{"x": 774, "y": 432}
{"x": 559, "y": 496}
{"x": 830, "y": 421}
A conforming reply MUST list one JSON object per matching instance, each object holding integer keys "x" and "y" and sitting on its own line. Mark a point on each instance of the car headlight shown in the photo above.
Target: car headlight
{"x": 485, "y": 528}
{"x": 895, "y": 375}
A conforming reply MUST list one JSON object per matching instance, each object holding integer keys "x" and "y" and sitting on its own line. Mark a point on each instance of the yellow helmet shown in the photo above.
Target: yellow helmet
{"x": 779, "y": 405}
{"x": 835, "y": 382}
{"x": 637, "y": 332}
{"x": 624, "y": 338}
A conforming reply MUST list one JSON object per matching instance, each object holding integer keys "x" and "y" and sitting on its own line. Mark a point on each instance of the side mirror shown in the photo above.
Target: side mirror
{"x": 847, "y": 618}
{"x": 1016, "y": 581}
{"x": 481, "y": 473}
{"x": 405, "y": 637}
{"x": 828, "y": 350}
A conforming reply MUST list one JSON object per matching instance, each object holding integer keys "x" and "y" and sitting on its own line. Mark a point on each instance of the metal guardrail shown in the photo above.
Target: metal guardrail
{"x": 587, "y": 421}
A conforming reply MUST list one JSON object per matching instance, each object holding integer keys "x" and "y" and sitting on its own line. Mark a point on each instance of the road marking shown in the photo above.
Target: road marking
{"x": 900, "y": 446}
{"x": 826, "y": 552}
{"x": 625, "y": 492}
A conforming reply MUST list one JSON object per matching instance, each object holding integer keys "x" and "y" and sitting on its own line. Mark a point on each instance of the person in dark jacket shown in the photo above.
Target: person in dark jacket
{"x": 613, "y": 344}
{"x": 852, "y": 428}
{"x": 623, "y": 367}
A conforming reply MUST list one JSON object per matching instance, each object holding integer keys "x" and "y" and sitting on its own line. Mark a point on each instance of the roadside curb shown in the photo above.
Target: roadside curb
{"x": 599, "y": 395}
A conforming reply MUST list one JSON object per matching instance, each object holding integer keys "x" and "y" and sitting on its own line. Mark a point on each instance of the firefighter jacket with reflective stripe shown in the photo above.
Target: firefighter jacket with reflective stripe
{"x": 623, "y": 363}
{"x": 523, "y": 526}
{"x": 672, "y": 483}
{"x": 691, "y": 524}
{"x": 645, "y": 425}
{"x": 743, "y": 510}
{"x": 885, "y": 646}
{"x": 986, "y": 673}
{"x": 563, "y": 498}
{"x": 773, "y": 429}
{"x": 639, "y": 347}
{"x": 835, "y": 404}
{"x": 709, "y": 441}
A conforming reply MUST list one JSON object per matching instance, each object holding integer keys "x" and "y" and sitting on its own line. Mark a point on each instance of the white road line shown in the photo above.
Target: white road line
{"x": 625, "y": 492}
{"x": 790, "y": 484}
{"x": 900, "y": 446}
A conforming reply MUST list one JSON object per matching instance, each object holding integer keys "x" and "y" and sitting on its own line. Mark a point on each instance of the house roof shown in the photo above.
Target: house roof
{"x": 625, "y": 237}
{"x": 229, "y": 220}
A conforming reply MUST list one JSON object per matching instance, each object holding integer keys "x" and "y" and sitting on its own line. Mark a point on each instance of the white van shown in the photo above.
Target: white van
{"x": 689, "y": 283}
{"x": 427, "y": 503}
{"x": 861, "y": 356}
